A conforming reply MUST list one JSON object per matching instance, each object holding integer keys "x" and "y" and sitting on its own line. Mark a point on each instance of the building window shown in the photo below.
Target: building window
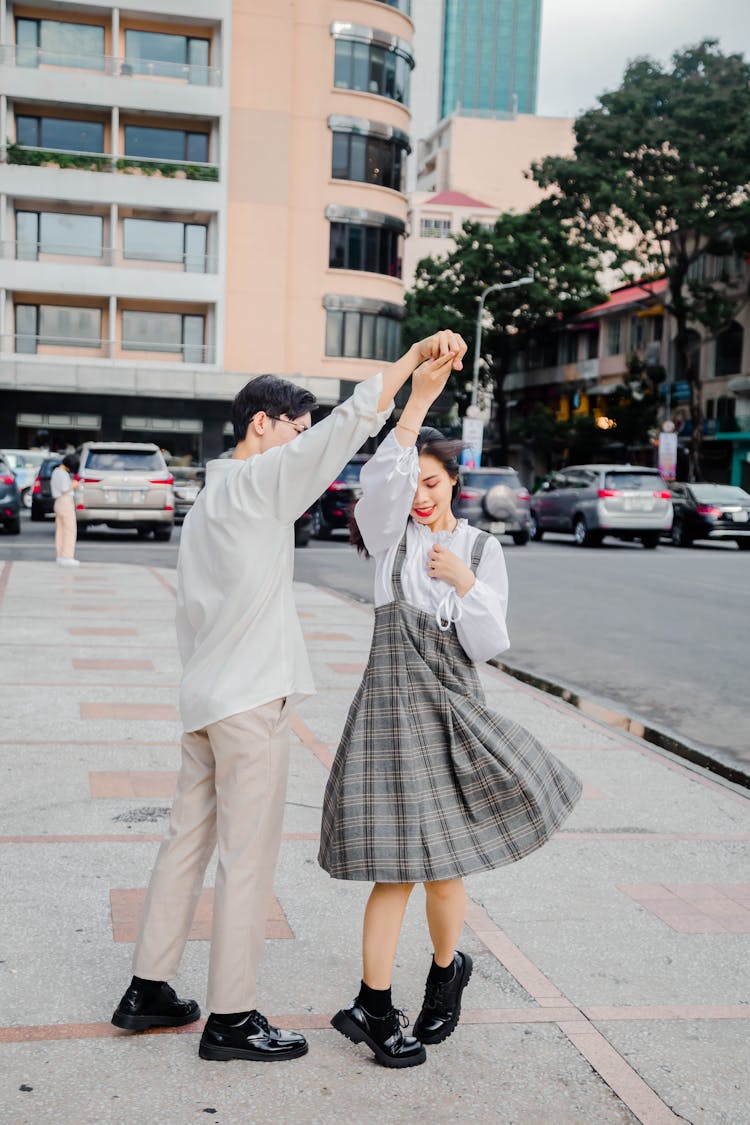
{"x": 55, "y": 43}
{"x": 368, "y": 159}
{"x": 373, "y": 69}
{"x": 56, "y": 326}
{"x": 60, "y": 133}
{"x": 637, "y": 333}
{"x": 361, "y": 335}
{"x": 658, "y": 328}
{"x": 435, "y": 228}
{"x": 153, "y": 240}
{"x": 729, "y": 351}
{"x": 56, "y": 232}
{"x": 164, "y": 332}
{"x": 569, "y": 347}
{"x": 355, "y": 246}
{"x": 166, "y": 144}
{"x": 167, "y": 56}
{"x": 402, "y": 5}
{"x": 614, "y": 334}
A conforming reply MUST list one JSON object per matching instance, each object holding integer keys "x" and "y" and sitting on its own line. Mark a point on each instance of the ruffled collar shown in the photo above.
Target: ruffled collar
{"x": 441, "y": 537}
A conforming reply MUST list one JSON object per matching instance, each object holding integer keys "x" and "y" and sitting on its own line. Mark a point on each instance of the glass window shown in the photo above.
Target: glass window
{"x": 26, "y": 329}
{"x": 367, "y": 342}
{"x": 613, "y": 337}
{"x": 197, "y": 148}
{"x": 167, "y": 56}
{"x": 27, "y": 42}
{"x": 71, "y": 234}
{"x": 68, "y": 326}
{"x": 58, "y": 43}
{"x": 374, "y": 170}
{"x": 27, "y": 236}
{"x": 355, "y": 246}
{"x": 360, "y": 67}
{"x": 371, "y": 68}
{"x": 192, "y": 339}
{"x": 124, "y": 460}
{"x": 728, "y": 355}
{"x": 342, "y": 64}
{"x": 337, "y": 256}
{"x": 373, "y": 253}
{"x": 334, "y": 328}
{"x": 151, "y": 331}
{"x": 59, "y": 133}
{"x": 658, "y": 329}
{"x": 195, "y": 248}
{"x": 152, "y": 240}
{"x": 381, "y": 339}
{"x": 165, "y": 144}
{"x": 340, "y": 157}
{"x": 632, "y": 481}
{"x": 351, "y": 333}
{"x": 27, "y": 131}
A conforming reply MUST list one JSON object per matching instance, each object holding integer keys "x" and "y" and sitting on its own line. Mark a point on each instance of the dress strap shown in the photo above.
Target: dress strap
{"x": 477, "y": 549}
{"x": 398, "y": 562}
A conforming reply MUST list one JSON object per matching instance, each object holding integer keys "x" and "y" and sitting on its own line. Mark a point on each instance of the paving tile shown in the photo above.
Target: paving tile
{"x": 127, "y": 907}
{"x": 132, "y": 783}
{"x": 129, "y": 711}
{"x": 92, "y": 664}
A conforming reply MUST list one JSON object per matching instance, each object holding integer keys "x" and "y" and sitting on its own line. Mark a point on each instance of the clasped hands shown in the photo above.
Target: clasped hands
{"x": 446, "y": 566}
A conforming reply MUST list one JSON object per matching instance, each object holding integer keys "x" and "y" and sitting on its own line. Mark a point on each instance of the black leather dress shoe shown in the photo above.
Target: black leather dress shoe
{"x": 384, "y": 1037}
{"x": 253, "y": 1038}
{"x": 442, "y": 1003}
{"x": 140, "y": 1009}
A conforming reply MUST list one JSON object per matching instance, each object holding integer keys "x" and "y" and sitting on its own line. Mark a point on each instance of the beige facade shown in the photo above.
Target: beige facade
{"x": 489, "y": 158}
{"x": 434, "y": 222}
{"x": 195, "y": 192}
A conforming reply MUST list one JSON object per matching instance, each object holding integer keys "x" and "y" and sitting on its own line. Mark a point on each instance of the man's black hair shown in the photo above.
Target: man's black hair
{"x": 272, "y": 395}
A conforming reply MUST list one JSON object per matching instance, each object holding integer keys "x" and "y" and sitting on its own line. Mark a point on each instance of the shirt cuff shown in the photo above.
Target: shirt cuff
{"x": 366, "y": 397}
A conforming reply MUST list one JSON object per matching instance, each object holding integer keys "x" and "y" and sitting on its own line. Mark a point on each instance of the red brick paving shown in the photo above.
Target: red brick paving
{"x": 133, "y": 783}
{"x": 99, "y": 665}
{"x": 127, "y": 906}
{"x": 87, "y": 631}
{"x": 696, "y": 908}
{"x": 328, "y": 637}
{"x": 347, "y": 669}
{"x": 129, "y": 712}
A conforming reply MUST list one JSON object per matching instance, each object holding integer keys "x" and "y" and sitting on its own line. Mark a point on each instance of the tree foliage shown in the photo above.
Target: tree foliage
{"x": 447, "y": 289}
{"x": 661, "y": 176}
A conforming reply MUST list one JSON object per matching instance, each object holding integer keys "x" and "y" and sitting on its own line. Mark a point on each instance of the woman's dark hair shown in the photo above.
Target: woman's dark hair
{"x": 434, "y": 444}
{"x": 70, "y": 461}
{"x": 272, "y": 395}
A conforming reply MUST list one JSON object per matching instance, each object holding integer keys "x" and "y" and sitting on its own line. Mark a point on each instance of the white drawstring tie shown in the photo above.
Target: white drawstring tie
{"x": 449, "y": 611}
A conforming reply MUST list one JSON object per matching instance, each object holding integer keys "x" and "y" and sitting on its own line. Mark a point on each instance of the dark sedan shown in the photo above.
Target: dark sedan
{"x": 42, "y": 504}
{"x": 710, "y": 511}
{"x": 332, "y": 511}
{"x": 10, "y": 499}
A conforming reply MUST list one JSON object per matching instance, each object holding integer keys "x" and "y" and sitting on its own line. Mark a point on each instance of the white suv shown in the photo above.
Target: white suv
{"x": 125, "y": 484}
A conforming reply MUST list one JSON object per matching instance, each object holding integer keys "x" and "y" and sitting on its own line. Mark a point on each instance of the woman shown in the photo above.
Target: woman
{"x": 428, "y": 784}
{"x": 63, "y": 486}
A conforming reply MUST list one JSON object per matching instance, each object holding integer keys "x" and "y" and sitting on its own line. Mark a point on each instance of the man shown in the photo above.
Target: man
{"x": 244, "y": 667}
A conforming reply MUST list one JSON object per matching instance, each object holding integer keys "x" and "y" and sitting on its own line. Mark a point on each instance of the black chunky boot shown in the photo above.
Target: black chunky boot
{"x": 442, "y": 1003}
{"x": 383, "y": 1035}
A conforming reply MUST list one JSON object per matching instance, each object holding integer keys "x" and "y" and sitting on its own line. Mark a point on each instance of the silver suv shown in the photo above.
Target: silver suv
{"x": 592, "y": 501}
{"x": 496, "y": 501}
{"x": 125, "y": 484}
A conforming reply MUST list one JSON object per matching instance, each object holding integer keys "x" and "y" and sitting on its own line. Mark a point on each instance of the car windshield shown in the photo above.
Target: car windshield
{"x": 633, "y": 482}
{"x": 489, "y": 480}
{"x": 125, "y": 461}
{"x": 350, "y": 473}
{"x": 48, "y": 467}
{"x": 719, "y": 494}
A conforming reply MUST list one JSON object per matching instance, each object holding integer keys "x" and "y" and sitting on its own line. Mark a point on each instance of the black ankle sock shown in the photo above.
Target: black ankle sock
{"x": 441, "y": 975}
{"x": 376, "y": 1001}
{"x": 148, "y": 987}
{"x": 231, "y": 1018}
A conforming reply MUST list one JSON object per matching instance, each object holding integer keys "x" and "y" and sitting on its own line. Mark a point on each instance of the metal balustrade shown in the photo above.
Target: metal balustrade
{"x": 13, "y": 54}
{"x": 47, "y": 252}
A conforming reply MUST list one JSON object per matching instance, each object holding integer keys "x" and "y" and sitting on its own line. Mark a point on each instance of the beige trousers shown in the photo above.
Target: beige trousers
{"x": 65, "y": 526}
{"x": 231, "y": 789}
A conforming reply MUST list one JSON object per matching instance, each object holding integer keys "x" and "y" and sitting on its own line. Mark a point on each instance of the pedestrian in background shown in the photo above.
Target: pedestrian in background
{"x": 428, "y": 784}
{"x": 63, "y": 486}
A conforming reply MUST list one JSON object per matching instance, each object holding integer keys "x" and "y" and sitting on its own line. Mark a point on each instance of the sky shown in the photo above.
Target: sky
{"x": 586, "y": 44}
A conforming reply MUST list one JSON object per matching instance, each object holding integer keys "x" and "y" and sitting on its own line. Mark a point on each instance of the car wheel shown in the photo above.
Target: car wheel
{"x": 143, "y": 532}
{"x": 162, "y": 534}
{"x": 81, "y": 529}
{"x": 301, "y": 538}
{"x": 13, "y": 527}
{"x": 37, "y": 513}
{"x": 535, "y": 529}
{"x": 651, "y": 540}
{"x": 679, "y": 536}
{"x": 584, "y": 537}
{"x": 520, "y": 538}
{"x": 319, "y": 528}
{"x": 743, "y": 544}
{"x": 27, "y": 498}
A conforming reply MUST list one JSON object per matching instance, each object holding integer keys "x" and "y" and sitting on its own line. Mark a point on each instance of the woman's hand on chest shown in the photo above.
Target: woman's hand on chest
{"x": 444, "y": 565}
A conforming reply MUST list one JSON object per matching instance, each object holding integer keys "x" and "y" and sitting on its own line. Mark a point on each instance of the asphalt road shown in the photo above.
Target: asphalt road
{"x": 659, "y": 635}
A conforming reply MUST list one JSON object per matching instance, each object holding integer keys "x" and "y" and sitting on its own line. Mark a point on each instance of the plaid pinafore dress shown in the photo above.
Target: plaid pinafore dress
{"x": 428, "y": 783}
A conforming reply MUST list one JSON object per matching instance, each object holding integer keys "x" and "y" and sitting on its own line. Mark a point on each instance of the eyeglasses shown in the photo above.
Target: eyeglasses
{"x": 289, "y": 422}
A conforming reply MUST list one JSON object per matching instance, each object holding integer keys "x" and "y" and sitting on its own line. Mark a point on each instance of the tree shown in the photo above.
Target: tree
{"x": 660, "y": 177}
{"x": 447, "y": 289}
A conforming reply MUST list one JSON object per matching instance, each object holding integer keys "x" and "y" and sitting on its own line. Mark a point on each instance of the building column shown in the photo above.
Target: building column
{"x": 116, "y": 40}
{"x": 112, "y": 332}
{"x": 3, "y": 124}
{"x": 114, "y": 142}
{"x": 113, "y": 234}
{"x": 4, "y": 343}
{"x": 3, "y": 20}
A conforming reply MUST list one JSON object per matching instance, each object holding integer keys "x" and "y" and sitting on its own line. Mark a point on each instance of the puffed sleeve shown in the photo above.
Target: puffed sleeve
{"x": 388, "y": 481}
{"x": 480, "y": 625}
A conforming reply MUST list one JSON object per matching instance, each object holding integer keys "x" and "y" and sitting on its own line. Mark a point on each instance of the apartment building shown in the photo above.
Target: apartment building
{"x": 193, "y": 192}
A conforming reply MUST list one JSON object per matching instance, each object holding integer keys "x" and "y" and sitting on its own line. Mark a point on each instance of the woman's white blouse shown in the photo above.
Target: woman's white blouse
{"x": 389, "y": 481}
{"x": 60, "y": 483}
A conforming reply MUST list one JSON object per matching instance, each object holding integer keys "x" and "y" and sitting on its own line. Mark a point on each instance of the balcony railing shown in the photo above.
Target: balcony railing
{"x": 47, "y": 252}
{"x": 20, "y": 344}
{"x": 12, "y": 54}
{"x": 108, "y": 162}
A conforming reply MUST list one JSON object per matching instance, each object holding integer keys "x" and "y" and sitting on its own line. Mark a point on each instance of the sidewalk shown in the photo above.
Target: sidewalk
{"x": 611, "y": 967}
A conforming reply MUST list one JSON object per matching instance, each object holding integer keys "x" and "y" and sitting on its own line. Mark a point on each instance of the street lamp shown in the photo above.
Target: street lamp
{"x": 478, "y": 337}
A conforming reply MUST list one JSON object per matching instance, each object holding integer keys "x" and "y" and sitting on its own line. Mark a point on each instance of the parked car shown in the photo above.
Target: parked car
{"x": 496, "y": 501}
{"x": 332, "y": 511}
{"x": 42, "y": 504}
{"x": 710, "y": 511}
{"x": 10, "y": 499}
{"x": 125, "y": 484}
{"x": 188, "y": 481}
{"x": 24, "y": 464}
{"x": 593, "y": 501}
